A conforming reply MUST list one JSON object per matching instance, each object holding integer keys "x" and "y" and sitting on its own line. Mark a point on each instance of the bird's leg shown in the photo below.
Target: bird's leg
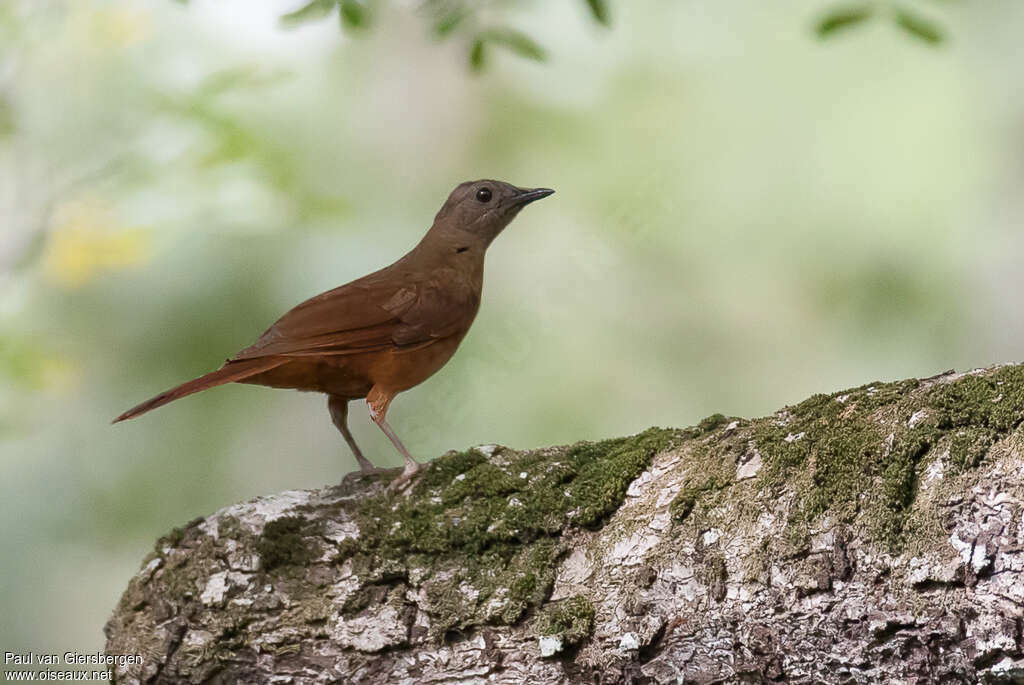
{"x": 338, "y": 406}
{"x": 378, "y": 400}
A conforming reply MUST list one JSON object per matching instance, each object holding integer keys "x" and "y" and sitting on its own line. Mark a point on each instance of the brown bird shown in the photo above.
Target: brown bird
{"x": 385, "y": 332}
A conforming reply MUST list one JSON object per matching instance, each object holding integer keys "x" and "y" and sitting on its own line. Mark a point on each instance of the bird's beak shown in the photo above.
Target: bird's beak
{"x": 527, "y": 196}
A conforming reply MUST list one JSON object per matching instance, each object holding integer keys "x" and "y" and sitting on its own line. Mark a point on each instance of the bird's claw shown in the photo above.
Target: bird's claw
{"x": 374, "y": 472}
{"x": 405, "y": 478}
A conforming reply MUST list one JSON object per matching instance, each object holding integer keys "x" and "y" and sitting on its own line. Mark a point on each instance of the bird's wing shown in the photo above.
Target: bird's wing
{"x": 441, "y": 308}
{"x": 368, "y": 315}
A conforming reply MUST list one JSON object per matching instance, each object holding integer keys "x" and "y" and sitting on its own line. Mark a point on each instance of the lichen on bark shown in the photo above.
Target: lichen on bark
{"x": 868, "y": 535}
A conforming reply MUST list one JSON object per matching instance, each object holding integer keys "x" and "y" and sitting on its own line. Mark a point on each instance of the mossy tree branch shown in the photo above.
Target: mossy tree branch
{"x": 870, "y": 535}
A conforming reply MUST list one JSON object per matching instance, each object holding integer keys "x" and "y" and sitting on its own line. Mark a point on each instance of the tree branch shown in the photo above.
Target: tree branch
{"x": 872, "y": 535}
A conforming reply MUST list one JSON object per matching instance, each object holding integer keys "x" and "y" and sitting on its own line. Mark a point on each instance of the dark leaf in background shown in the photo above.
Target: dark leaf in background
{"x": 354, "y": 14}
{"x": 516, "y": 41}
{"x": 449, "y": 21}
{"x": 599, "y": 8}
{"x": 476, "y": 55}
{"x": 317, "y": 9}
{"x": 919, "y": 27}
{"x": 842, "y": 18}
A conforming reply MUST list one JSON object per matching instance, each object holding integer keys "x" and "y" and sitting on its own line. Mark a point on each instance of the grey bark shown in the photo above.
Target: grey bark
{"x": 732, "y": 557}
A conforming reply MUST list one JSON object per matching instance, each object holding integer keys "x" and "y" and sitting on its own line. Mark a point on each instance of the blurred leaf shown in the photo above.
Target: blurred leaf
{"x": 919, "y": 27}
{"x": 354, "y": 14}
{"x": 476, "y": 55}
{"x": 450, "y": 21}
{"x": 26, "y": 363}
{"x": 234, "y": 78}
{"x": 516, "y": 41}
{"x": 843, "y": 17}
{"x": 230, "y": 137}
{"x": 317, "y": 9}
{"x": 6, "y": 118}
{"x": 599, "y": 8}
{"x": 32, "y": 249}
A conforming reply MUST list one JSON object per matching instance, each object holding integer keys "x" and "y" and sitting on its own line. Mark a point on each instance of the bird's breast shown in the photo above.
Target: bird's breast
{"x": 400, "y": 369}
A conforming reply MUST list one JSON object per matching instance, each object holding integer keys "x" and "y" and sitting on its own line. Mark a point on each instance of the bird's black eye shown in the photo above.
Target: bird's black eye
{"x": 483, "y": 195}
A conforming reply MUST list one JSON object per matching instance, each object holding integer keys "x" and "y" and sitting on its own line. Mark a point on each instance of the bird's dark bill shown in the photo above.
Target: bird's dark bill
{"x": 528, "y": 196}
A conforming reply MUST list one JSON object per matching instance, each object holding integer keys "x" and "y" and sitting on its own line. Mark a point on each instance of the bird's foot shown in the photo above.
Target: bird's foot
{"x": 365, "y": 470}
{"x": 405, "y": 477}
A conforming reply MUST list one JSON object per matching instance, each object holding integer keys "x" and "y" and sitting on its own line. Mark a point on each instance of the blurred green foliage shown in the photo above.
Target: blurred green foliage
{"x": 841, "y": 18}
{"x": 450, "y": 17}
{"x": 599, "y": 8}
{"x": 23, "y": 361}
{"x": 918, "y": 25}
{"x": 446, "y": 18}
{"x": 910, "y": 19}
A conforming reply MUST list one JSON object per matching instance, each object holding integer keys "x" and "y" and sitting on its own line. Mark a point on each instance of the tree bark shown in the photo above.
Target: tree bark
{"x": 872, "y": 535}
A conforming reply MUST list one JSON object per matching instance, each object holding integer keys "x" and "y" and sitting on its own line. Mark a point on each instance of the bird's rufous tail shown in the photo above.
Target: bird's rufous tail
{"x": 229, "y": 373}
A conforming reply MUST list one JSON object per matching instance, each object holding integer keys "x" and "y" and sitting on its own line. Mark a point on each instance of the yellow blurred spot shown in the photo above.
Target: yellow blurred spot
{"x": 27, "y": 362}
{"x": 120, "y": 27}
{"x": 85, "y": 241}
{"x": 58, "y": 374}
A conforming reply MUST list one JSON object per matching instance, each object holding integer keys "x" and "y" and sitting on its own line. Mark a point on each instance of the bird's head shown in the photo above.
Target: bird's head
{"x": 477, "y": 211}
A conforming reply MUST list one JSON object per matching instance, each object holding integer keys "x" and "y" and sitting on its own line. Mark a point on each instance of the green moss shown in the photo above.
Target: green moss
{"x": 171, "y": 539}
{"x": 231, "y": 528}
{"x": 854, "y": 452}
{"x": 968, "y": 447}
{"x": 706, "y": 425}
{"x": 979, "y": 410}
{"x": 833, "y": 448}
{"x": 465, "y": 504}
{"x": 285, "y": 542}
{"x": 528, "y": 577}
{"x": 180, "y": 582}
{"x": 185, "y": 573}
{"x": 994, "y": 400}
{"x": 682, "y": 504}
{"x": 699, "y": 484}
{"x": 571, "y": 619}
{"x": 711, "y": 465}
{"x": 179, "y": 574}
{"x": 486, "y": 532}
{"x": 495, "y": 587}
